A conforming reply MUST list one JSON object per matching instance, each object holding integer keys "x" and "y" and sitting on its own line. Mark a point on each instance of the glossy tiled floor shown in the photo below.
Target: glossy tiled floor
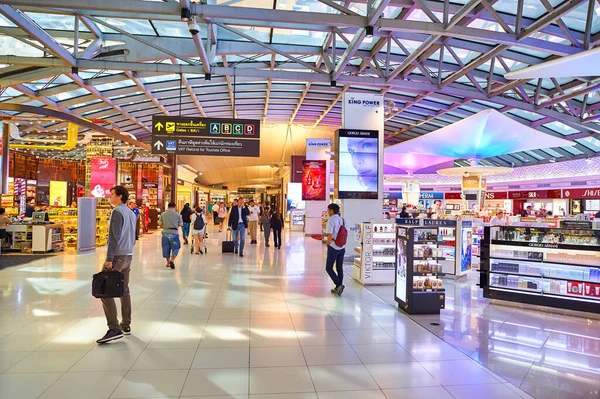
{"x": 265, "y": 326}
{"x": 549, "y": 356}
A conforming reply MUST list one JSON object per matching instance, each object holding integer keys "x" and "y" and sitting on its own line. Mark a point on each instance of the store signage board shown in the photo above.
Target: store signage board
{"x": 408, "y": 222}
{"x": 246, "y": 190}
{"x": 575, "y": 224}
{"x": 205, "y": 136}
{"x": 581, "y": 193}
{"x": 431, "y": 195}
{"x": 439, "y": 222}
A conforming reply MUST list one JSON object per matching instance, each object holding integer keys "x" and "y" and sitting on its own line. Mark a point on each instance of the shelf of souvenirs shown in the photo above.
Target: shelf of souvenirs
{"x": 570, "y": 289}
{"x": 428, "y": 283}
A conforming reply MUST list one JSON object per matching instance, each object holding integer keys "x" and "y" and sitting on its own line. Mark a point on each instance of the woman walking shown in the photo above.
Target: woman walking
{"x": 221, "y": 215}
{"x": 265, "y": 223}
{"x": 277, "y": 226}
{"x": 198, "y": 229}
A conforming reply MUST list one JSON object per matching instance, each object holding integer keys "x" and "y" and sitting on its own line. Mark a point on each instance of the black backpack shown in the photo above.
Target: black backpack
{"x": 199, "y": 222}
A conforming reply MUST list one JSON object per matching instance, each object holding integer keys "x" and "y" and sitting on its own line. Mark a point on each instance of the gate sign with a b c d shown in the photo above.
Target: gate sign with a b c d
{"x": 205, "y": 136}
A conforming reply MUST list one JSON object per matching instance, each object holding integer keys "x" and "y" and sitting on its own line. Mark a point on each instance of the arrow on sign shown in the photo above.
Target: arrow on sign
{"x": 159, "y": 144}
{"x": 158, "y": 127}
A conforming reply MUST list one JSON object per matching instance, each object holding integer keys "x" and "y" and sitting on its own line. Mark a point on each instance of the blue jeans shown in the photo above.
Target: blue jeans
{"x": 241, "y": 231}
{"x": 170, "y": 244}
{"x": 186, "y": 230}
{"x": 335, "y": 256}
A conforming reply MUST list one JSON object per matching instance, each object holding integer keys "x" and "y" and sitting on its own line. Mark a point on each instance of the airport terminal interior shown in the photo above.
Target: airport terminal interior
{"x": 300, "y": 199}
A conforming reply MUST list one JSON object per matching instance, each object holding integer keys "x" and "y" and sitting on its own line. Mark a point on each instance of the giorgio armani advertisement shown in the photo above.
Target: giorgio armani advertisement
{"x": 314, "y": 184}
{"x": 358, "y": 164}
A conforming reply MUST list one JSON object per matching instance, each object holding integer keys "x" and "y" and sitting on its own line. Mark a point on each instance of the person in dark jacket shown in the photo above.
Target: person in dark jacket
{"x": 277, "y": 226}
{"x": 238, "y": 222}
{"x": 186, "y": 214}
{"x": 404, "y": 214}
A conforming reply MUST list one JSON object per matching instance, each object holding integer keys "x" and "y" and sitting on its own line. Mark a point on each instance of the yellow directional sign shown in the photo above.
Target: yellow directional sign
{"x": 170, "y": 127}
{"x": 158, "y": 126}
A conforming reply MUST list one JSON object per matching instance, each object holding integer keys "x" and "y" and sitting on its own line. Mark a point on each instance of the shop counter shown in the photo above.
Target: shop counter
{"x": 47, "y": 238}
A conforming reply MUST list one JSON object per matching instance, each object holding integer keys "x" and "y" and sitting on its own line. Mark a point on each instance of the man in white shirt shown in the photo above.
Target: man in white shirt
{"x": 335, "y": 253}
{"x": 253, "y": 221}
{"x": 498, "y": 219}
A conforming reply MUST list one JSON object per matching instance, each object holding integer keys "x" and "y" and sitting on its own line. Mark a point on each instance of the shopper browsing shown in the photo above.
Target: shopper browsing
{"x": 238, "y": 221}
{"x": 335, "y": 248}
{"x": 198, "y": 230}
{"x": 4, "y": 221}
{"x": 132, "y": 205}
{"x": 277, "y": 225}
{"x": 498, "y": 219}
{"x": 121, "y": 239}
{"x": 253, "y": 221}
{"x": 186, "y": 214}
{"x": 403, "y": 214}
{"x": 170, "y": 221}
{"x": 528, "y": 212}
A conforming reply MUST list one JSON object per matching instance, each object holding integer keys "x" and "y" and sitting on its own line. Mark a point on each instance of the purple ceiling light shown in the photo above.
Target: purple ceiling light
{"x": 411, "y": 163}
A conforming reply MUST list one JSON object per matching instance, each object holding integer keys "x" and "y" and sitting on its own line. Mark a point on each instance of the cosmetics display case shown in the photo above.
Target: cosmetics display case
{"x": 542, "y": 266}
{"x": 419, "y": 288}
{"x": 376, "y": 253}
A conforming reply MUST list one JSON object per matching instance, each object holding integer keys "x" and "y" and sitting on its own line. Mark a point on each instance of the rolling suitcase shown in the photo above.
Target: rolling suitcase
{"x": 227, "y": 245}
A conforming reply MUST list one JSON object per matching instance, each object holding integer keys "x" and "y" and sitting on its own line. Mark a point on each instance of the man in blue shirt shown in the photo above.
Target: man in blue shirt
{"x": 136, "y": 212}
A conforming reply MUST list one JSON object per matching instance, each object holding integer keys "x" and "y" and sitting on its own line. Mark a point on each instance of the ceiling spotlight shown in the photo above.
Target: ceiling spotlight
{"x": 333, "y": 83}
{"x": 369, "y": 30}
{"x": 186, "y": 14}
{"x": 207, "y": 76}
{"x": 552, "y": 160}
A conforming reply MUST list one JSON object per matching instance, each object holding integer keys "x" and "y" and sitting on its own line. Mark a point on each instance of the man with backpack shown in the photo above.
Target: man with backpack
{"x": 337, "y": 236}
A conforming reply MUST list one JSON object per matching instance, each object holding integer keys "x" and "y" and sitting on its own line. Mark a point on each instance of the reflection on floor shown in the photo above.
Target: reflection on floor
{"x": 546, "y": 355}
{"x": 263, "y": 326}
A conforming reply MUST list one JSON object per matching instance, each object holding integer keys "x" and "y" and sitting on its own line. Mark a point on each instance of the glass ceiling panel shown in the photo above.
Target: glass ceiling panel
{"x": 550, "y": 38}
{"x": 590, "y": 143}
{"x": 534, "y": 155}
{"x": 115, "y": 85}
{"x": 6, "y": 22}
{"x": 68, "y": 95}
{"x": 572, "y": 150}
{"x": 576, "y": 19}
{"x": 561, "y": 128}
{"x": 552, "y": 152}
{"x": 9, "y": 93}
{"x": 133, "y": 26}
{"x": 156, "y": 79}
{"x": 295, "y": 36}
{"x": 303, "y": 5}
{"x": 244, "y": 3}
{"x": 176, "y": 29}
{"x": 487, "y": 25}
{"x": 532, "y": 8}
{"x": 11, "y": 46}
{"x": 56, "y": 22}
{"x": 530, "y": 116}
{"x": 257, "y": 33}
{"x": 533, "y": 53}
{"x": 39, "y": 84}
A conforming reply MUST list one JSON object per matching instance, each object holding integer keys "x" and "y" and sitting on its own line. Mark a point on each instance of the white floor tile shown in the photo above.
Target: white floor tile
{"x": 459, "y": 372}
{"x": 490, "y": 391}
{"x": 153, "y": 383}
{"x": 25, "y": 386}
{"x": 321, "y": 338}
{"x": 382, "y": 353}
{"x": 375, "y": 394}
{"x": 273, "y": 380}
{"x": 9, "y": 359}
{"x": 276, "y": 357}
{"x": 164, "y": 359}
{"x": 342, "y": 378}
{"x": 104, "y": 360}
{"x": 421, "y": 393}
{"x": 41, "y": 362}
{"x": 401, "y": 375}
{"x": 216, "y": 382}
{"x": 330, "y": 355}
{"x": 212, "y": 358}
{"x": 89, "y": 385}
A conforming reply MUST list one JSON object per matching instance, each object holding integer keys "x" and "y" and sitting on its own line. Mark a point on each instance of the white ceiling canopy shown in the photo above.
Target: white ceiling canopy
{"x": 577, "y": 65}
{"x": 485, "y": 134}
{"x": 411, "y": 163}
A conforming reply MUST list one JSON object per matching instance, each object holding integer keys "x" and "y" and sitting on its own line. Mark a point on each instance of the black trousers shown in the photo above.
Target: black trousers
{"x": 277, "y": 237}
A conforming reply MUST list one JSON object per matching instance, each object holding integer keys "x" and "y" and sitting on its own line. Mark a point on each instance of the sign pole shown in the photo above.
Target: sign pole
{"x": 5, "y": 154}
{"x": 173, "y": 179}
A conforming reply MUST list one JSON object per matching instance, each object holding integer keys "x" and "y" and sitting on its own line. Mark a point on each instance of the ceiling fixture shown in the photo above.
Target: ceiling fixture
{"x": 186, "y": 14}
{"x": 207, "y": 77}
{"x": 333, "y": 83}
{"x": 369, "y": 30}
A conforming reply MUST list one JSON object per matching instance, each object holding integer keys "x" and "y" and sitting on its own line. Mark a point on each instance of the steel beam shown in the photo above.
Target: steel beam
{"x": 25, "y": 23}
{"x": 147, "y": 92}
{"x": 300, "y": 101}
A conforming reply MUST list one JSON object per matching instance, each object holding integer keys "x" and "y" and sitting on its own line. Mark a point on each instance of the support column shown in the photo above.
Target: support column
{"x": 317, "y": 149}
{"x": 5, "y": 159}
{"x": 173, "y": 179}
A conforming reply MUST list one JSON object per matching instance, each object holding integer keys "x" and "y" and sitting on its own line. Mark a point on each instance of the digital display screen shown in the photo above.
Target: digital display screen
{"x": 401, "y": 264}
{"x": 314, "y": 184}
{"x": 592, "y": 205}
{"x": 103, "y": 176}
{"x": 358, "y": 164}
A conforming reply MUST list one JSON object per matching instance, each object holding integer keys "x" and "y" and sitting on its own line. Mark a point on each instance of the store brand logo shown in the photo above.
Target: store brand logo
{"x": 591, "y": 193}
{"x": 365, "y": 103}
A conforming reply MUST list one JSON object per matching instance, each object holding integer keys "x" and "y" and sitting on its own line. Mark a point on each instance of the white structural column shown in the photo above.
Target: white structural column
{"x": 363, "y": 111}
{"x": 317, "y": 149}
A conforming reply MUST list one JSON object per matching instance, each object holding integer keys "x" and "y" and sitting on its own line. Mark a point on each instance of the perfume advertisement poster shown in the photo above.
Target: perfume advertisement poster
{"x": 103, "y": 176}
{"x": 466, "y": 247}
{"x": 314, "y": 184}
{"x": 401, "y": 264}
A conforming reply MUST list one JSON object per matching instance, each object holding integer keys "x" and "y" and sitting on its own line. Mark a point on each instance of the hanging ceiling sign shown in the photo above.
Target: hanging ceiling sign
{"x": 180, "y": 135}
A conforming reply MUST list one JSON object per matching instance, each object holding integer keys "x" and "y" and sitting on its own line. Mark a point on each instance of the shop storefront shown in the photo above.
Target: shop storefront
{"x": 582, "y": 200}
{"x": 550, "y": 200}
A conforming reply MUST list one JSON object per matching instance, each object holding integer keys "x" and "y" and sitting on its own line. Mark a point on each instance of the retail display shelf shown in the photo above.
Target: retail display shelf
{"x": 545, "y": 262}
{"x": 546, "y": 277}
{"x": 375, "y": 253}
{"x": 427, "y": 242}
{"x": 357, "y": 250}
{"x": 383, "y": 268}
{"x": 425, "y": 274}
{"x": 536, "y": 245}
{"x": 430, "y": 258}
{"x": 383, "y": 245}
{"x": 517, "y": 289}
{"x": 429, "y": 291}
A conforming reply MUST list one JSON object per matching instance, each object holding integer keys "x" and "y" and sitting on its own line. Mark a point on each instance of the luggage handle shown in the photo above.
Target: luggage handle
{"x": 229, "y": 234}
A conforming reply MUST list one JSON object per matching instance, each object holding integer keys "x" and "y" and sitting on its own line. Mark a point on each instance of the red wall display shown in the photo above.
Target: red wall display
{"x": 496, "y": 195}
{"x": 103, "y": 176}
{"x": 452, "y": 196}
{"x": 296, "y": 176}
{"x": 313, "y": 180}
{"x": 582, "y": 193}
{"x": 531, "y": 195}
